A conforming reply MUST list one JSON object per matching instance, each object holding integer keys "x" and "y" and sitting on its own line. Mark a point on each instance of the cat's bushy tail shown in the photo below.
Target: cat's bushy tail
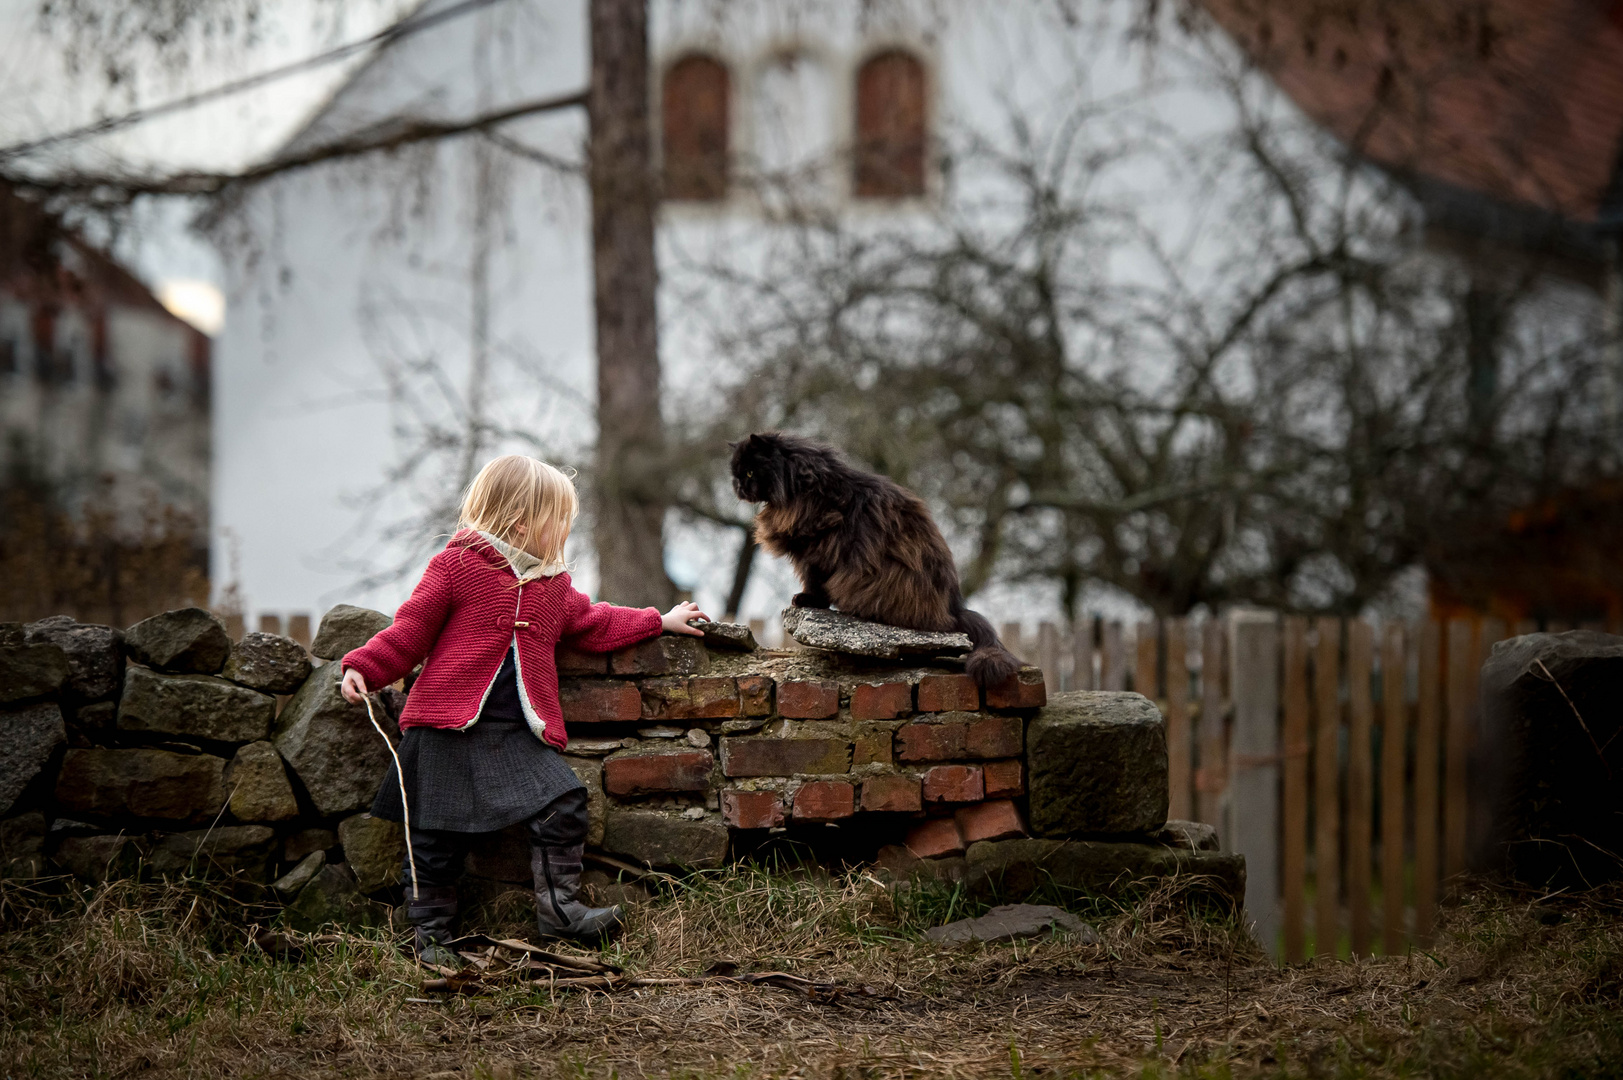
{"x": 988, "y": 663}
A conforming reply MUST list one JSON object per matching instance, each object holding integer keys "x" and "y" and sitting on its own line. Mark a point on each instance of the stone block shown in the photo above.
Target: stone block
{"x": 332, "y": 899}
{"x": 657, "y": 839}
{"x": 572, "y": 661}
{"x": 1013, "y": 922}
{"x": 22, "y": 846}
{"x": 141, "y": 783}
{"x": 31, "y": 671}
{"x": 599, "y": 702}
{"x": 31, "y": 736}
{"x": 752, "y": 809}
{"x": 188, "y": 640}
{"x": 374, "y": 849}
{"x": 784, "y": 757}
{"x": 331, "y": 745}
{"x": 881, "y": 701}
{"x": 1188, "y": 835}
{"x": 589, "y": 771}
{"x": 193, "y": 707}
{"x": 589, "y": 747}
{"x": 821, "y": 628}
{"x": 954, "y": 784}
{"x": 95, "y": 654}
{"x": 232, "y": 850}
{"x": 98, "y": 858}
{"x": 293, "y": 882}
{"x": 270, "y": 663}
{"x": 299, "y": 845}
{"x": 345, "y": 628}
{"x": 948, "y": 693}
{"x": 1014, "y": 869}
{"x": 668, "y": 654}
{"x": 700, "y": 698}
{"x": 1004, "y": 779}
{"x": 633, "y": 773}
{"x": 898, "y": 862}
{"x": 892, "y": 794}
{"x": 1097, "y": 764}
{"x": 824, "y": 800}
{"x": 993, "y": 737}
{"x": 754, "y": 695}
{"x": 808, "y": 699}
{"x": 257, "y": 785}
{"x": 935, "y": 838}
{"x": 1022, "y": 690}
{"x": 931, "y": 741}
{"x": 995, "y": 820}
{"x": 728, "y": 637}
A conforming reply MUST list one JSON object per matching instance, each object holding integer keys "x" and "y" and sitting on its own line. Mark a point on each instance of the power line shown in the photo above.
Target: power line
{"x": 388, "y": 35}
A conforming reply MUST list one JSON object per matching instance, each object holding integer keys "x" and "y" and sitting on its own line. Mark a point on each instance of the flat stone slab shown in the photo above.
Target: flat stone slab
{"x": 95, "y": 658}
{"x": 820, "y": 628}
{"x": 656, "y": 839}
{"x": 1012, "y": 922}
{"x": 30, "y": 736}
{"x": 728, "y": 636}
{"x": 1014, "y": 869}
{"x": 193, "y": 707}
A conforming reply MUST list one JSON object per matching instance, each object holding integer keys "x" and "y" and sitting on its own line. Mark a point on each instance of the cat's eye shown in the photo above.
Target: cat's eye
{"x": 749, "y": 474}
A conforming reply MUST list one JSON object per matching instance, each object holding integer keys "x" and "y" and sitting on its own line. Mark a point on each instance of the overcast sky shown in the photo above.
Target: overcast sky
{"x": 39, "y": 95}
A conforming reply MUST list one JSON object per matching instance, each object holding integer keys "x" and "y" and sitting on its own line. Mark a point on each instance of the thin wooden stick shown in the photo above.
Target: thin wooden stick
{"x": 1394, "y": 751}
{"x": 405, "y": 810}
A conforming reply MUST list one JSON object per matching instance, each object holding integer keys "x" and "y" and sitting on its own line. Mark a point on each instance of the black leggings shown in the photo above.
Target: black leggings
{"x": 440, "y": 854}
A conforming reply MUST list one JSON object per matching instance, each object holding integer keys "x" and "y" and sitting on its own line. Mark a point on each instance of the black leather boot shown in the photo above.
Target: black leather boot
{"x": 430, "y": 915}
{"x": 560, "y": 913}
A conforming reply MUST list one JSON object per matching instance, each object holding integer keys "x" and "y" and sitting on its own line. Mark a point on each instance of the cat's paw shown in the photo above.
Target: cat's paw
{"x": 806, "y": 599}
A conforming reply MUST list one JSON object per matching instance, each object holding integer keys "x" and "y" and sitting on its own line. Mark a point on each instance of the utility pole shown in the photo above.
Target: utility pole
{"x": 629, "y": 500}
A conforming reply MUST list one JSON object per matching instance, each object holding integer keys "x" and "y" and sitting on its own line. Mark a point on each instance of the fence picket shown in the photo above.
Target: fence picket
{"x": 1254, "y": 764}
{"x": 1427, "y": 744}
{"x": 1326, "y": 788}
{"x": 1113, "y": 665}
{"x": 1082, "y": 655}
{"x": 1010, "y": 635}
{"x": 1211, "y": 781}
{"x": 270, "y": 624}
{"x": 1461, "y": 694}
{"x": 1179, "y": 752}
{"x": 1048, "y": 653}
{"x": 1360, "y": 780}
{"x": 1293, "y": 858}
{"x": 1144, "y": 650}
{"x": 298, "y": 628}
{"x": 1394, "y": 746}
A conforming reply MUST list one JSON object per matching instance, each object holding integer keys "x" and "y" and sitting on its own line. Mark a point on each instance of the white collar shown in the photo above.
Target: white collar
{"x": 526, "y": 567}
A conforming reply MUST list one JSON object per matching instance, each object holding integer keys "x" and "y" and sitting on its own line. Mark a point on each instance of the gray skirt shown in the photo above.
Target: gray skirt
{"x": 493, "y": 775}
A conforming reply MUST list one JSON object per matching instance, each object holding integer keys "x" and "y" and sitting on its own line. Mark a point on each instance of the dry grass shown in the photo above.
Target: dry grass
{"x": 148, "y": 980}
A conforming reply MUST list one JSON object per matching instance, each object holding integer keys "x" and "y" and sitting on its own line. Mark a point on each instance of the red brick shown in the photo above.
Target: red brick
{"x": 1022, "y": 690}
{"x": 599, "y": 702}
{"x": 930, "y": 742}
{"x": 824, "y": 800}
{"x": 994, "y": 736}
{"x": 1004, "y": 779}
{"x": 881, "y": 701}
{"x": 648, "y": 774}
{"x": 954, "y": 783}
{"x": 754, "y": 695}
{"x": 891, "y": 794}
{"x": 752, "y": 809}
{"x": 948, "y": 693}
{"x": 668, "y": 654}
{"x": 806, "y": 699}
{"x": 872, "y": 748}
{"x": 997, "y": 820}
{"x": 784, "y": 757}
{"x": 935, "y": 838}
{"x": 575, "y": 662}
{"x": 701, "y": 698}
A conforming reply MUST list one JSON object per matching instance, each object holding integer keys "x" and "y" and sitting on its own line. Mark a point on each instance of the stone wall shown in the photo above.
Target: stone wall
{"x": 170, "y": 748}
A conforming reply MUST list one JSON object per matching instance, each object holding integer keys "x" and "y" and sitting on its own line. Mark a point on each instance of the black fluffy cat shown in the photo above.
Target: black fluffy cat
{"x": 861, "y": 543}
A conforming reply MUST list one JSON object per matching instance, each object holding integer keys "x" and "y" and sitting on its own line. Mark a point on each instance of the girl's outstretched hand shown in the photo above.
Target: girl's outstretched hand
{"x": 677, "y": 620}
{"x": 353, "y": 687}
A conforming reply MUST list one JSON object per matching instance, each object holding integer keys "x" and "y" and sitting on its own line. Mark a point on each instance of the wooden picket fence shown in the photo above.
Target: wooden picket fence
{"x": 1332, "y": 753}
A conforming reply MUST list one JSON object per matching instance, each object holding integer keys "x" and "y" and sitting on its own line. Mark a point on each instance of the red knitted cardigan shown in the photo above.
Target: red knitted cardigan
{"x": 464, "y": 615}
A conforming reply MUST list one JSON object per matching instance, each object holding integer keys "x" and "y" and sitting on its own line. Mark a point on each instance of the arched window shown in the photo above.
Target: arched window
{"x": 890, "y": 126}
{"x": 695, "y": 116}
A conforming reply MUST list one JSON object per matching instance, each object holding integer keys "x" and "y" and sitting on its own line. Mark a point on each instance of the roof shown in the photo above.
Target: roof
{"x": 1519, "y": 102}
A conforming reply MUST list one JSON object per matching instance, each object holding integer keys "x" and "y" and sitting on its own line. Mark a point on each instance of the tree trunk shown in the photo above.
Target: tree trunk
{"x": 629, "y": 499}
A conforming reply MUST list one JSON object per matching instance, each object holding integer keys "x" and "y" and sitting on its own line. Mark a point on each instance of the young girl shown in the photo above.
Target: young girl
{"x": 482, "y": 724}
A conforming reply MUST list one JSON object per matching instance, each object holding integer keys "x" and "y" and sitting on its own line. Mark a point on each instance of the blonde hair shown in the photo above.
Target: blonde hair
{"x": 517, "y": 490}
